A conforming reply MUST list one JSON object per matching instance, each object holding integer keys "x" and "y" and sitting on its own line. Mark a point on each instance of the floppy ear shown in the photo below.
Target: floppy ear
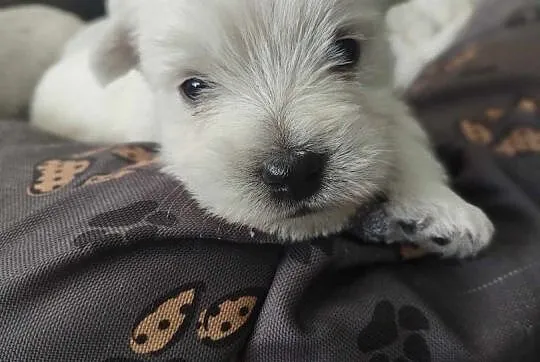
{"x": 116, "y": 53}
{"x": 114, "y": 56}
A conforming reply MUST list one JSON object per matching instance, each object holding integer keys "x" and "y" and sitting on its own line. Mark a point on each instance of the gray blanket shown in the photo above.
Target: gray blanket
{"x": 103, "y": 258}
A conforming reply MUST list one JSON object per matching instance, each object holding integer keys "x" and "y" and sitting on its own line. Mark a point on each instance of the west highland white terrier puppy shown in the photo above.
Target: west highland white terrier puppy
{"x": 275, "y": 114}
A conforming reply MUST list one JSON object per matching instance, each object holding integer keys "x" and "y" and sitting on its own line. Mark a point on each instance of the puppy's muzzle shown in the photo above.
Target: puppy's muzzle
{"x": 294, "y": 175}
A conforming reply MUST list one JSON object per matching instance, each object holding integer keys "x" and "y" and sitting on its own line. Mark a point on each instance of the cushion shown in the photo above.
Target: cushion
{"x": 104, "y": 258}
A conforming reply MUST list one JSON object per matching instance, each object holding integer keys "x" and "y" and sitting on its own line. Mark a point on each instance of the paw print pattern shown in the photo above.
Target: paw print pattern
{"x": 476, "y": 132}
{"x": 165, "y": 323}
{"x": 465, "y": 63}
{"x": 53, "y": 175}
{"x": 387, "y": 328}
{"x": 523, "y": 16}
{"x": 141, "y": 219}
{"x": 519, "y": 140}
{"x": 226, "y": 319}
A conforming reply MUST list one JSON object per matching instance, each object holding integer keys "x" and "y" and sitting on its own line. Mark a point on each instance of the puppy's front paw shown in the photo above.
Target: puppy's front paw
{"x": 449, "y": 227}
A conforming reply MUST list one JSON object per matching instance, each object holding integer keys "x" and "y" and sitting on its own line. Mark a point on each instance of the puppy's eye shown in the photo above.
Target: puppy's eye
{"x": 193, "y": 88}
{"x": 348, "y": 52}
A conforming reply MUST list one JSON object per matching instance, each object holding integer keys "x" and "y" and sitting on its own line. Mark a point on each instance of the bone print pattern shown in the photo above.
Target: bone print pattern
{"x": 58, "y": 173}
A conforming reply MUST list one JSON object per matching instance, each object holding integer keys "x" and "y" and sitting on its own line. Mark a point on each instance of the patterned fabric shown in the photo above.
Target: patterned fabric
{"x": 104, "y": 258}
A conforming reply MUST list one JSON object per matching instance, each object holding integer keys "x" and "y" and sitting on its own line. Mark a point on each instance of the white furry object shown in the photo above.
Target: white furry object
{"x": 31, "y": 40}
{"x": 421, "y": 30}
{"x": 275, "y": 81}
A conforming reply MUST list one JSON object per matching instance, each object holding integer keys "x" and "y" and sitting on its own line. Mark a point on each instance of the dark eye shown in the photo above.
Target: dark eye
{"x": 348, "y": 52}
{"x": 193, "y": 88}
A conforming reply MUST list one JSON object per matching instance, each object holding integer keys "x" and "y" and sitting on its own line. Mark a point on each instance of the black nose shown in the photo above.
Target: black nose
{"x": 294, "y": 175}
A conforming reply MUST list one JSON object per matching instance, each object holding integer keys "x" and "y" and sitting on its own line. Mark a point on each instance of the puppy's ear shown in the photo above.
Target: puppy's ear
{"x": 114, "y": 56}
{"x": 116, "y": 53}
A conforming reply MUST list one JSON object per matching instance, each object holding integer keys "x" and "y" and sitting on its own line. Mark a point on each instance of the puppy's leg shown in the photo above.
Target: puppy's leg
{"x": 422, "y": 209}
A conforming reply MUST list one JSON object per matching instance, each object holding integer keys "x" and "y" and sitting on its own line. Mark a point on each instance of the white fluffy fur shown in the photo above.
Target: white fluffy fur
{"x": 420, "y": 30}
{"x": 268, "y": 61}
{"x": 31, "y": 40}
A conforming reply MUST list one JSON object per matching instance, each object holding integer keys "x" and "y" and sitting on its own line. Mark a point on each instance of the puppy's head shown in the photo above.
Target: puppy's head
{"x": 272, "y": 113}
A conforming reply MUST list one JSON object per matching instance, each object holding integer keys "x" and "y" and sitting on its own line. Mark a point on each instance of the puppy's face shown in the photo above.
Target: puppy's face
{"x": 272, "y": 111}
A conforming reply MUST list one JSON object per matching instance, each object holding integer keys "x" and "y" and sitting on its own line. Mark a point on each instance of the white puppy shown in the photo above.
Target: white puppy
{"x": 274, "y": 114}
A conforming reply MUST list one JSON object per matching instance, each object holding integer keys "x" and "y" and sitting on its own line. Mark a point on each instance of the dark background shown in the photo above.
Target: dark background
{"x": 86, "y": 9}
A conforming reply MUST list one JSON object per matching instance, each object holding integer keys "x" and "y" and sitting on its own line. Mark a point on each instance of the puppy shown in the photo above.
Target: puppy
{"x": 277, "y": 114}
